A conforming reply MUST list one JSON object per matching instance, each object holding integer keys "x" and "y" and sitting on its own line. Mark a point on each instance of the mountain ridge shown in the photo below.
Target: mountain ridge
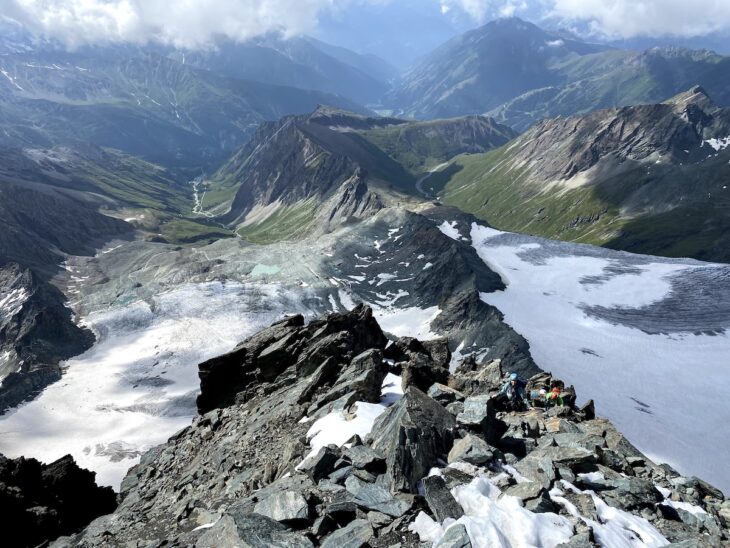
{"x": 605, "y": 178}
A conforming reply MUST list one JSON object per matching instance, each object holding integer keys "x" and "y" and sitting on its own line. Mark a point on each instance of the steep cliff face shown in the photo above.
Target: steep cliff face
{"x": 648, "y": 178}
{"x": 37, "y": 332}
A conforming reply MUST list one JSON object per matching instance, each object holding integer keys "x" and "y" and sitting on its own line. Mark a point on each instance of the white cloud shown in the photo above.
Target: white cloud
{"x": 199, "y": 23}
{"x": 483, "y": 10}
{"x": 187, "y": 23}
{"x": 629, "y": 18}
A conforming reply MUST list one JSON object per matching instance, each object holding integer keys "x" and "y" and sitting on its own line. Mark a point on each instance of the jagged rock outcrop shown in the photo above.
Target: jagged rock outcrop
{"x": 312, "y": 444}
{"x": 39, "y": 502}
{"x": 261, "y": 360}
{"x": 37, "y": 332}
{"x": 560, "y": 148}
{"x": 413, "y": 434}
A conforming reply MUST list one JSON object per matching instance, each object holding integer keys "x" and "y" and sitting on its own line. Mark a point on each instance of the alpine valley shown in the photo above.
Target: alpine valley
{"x": 263, "y": 293}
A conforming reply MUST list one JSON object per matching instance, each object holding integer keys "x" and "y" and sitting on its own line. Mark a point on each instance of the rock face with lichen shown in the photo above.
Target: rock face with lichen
{"x": 312, "y": 435}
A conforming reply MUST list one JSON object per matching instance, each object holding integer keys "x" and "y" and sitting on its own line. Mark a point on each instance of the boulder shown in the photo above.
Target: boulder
{"x": 365, "y": 457}
{"x": 439, "y": 351}
{"x": 473, "y": 450}
{"x": 455, "y": 537}
{"x": 321, "y": 464}
{"x": 286, "y": 507}
{"x": 472, "y": 378}
{"x": 375, "y": 497}
{"x": 420, "y": 371}
{"x": 440, "y": 500}
{"x": 575, "y": 458}
{"x": 443, "y": 394}
{"x": 480, "y": 414}
{"x": 362, "y": 378}
{"x": 355, "y": 535}
{"x": 237, "y": 528}
{"x": 540, "y": 470}
{"x": 412, "y": 435}
{"x": 526, "y": 490}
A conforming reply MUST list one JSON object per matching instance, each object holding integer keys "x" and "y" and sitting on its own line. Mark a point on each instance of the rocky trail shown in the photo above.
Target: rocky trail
{"x": 334, "y": 433}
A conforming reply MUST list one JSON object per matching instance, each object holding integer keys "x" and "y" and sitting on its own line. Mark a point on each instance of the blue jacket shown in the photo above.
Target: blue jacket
{"x": 516, "y": 392}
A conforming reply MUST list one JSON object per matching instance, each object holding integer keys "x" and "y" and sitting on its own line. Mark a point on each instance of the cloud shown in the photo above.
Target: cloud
{"x": 631, "y": 18}
{"x": 182, "y": 23}
{"x": 482, "y": 10}
{"x": 200, "y": 23}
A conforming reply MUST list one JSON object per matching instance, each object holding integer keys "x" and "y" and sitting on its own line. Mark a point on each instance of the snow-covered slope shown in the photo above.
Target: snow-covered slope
{"x": 645, "y": 336}
{"x": 138, "y": 384}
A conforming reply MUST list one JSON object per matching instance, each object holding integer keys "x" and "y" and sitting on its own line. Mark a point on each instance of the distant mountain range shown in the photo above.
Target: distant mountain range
{"x": 147, "y": 105}
{"x": 520, "y": 74}
{"x": 301, "y": 62}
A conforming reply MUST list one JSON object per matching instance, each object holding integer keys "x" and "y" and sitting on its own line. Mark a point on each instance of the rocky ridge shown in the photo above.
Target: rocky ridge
{"x": 37, "y": 332}
{"x": 648, "y": 179}
{"x": 331, "y": 434}
{"x": 330, "y": 167}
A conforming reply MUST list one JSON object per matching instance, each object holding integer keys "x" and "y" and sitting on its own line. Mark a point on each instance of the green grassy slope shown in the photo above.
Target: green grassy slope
{"x": 667, "y": 210}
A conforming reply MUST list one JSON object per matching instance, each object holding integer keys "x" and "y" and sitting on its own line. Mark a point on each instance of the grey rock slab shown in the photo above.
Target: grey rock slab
{"x": 473, "y": 450}
{"x": 480, "y": 414}
{"x": 526, "y": 490}
{"x": 355, "y": 535}
{"x": 440, "y": 500}
{"x": 443, "y": 394}
{"x": 412, "y": 435}
{"x": 375, "y": 497}
{"x": 362, "y": 456}
{"x": 285, "y": 506}
{"x": 250, "y": 531}
{"x": 455, "y": 537}
{"x": 572, "y": 457}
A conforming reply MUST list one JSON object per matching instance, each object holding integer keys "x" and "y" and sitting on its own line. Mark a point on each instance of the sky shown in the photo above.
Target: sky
{"x": 407, "y": 26}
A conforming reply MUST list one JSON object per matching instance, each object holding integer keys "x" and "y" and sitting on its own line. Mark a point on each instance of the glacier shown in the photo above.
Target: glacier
{"x": 644, "y": 336}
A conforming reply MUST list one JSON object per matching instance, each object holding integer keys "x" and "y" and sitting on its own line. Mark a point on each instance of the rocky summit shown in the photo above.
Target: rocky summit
{"x": 333, "y": 433}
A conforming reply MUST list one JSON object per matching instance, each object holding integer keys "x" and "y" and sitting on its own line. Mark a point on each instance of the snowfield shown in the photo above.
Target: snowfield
{"x": 643, "y": 336}
{"x": 137, "y": 385}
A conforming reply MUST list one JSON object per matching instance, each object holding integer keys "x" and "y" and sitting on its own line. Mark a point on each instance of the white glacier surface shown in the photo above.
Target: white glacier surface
{"x": 640, "y": 335}
{"x": 137, "y": 385}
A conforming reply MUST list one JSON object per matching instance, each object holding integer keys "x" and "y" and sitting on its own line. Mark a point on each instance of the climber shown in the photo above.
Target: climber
{"x": 554, "y": 398}
{"x": 512, "y": 395}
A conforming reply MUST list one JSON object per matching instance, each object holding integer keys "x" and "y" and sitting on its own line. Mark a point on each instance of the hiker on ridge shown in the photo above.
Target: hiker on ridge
{"x": 553, "y": 398}
{"x": 512, "y": 395}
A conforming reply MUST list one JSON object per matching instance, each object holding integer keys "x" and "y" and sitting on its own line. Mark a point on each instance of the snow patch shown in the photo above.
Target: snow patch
{"x": 337, "y": 427}
{"x": 408, "y": 322}
{"x": 718, "y": 144}
{"x": 494, "y": 520}
{"x": 450, "y": 230}
{"x": 615, "y": 528}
